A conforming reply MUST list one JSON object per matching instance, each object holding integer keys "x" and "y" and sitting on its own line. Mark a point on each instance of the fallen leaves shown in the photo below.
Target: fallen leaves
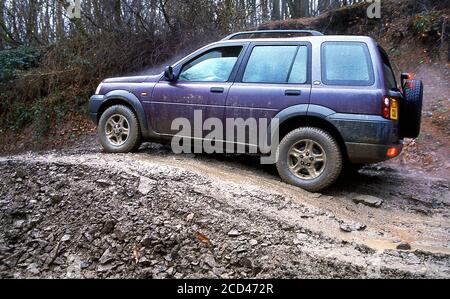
{"x": 202, "y": 238}
{"x": 136, "y": 253}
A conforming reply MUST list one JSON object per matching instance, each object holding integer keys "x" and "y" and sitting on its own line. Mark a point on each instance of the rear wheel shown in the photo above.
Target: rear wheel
{"x": 309, "y": 158}
{"x": 119, "y": 130}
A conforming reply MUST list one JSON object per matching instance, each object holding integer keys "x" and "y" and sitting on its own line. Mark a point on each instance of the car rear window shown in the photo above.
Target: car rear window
{"x": 346, "y": 63}
{"x": 389, "y": 76}
{"x": 277, "y": 64}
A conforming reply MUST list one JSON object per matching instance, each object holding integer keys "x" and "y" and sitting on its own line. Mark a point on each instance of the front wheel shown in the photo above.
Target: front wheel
{"x": 119, "y": 130}
{"x": 309, "y": 158}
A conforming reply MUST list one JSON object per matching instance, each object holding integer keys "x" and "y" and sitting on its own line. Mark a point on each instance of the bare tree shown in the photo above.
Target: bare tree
{"x": 32, "y": 22}
{"x": 3, "y": 36}
{"x": 276, "y": 13}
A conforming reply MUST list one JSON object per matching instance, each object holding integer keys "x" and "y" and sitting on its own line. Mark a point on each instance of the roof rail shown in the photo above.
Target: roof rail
{"x": 235, "y": 35}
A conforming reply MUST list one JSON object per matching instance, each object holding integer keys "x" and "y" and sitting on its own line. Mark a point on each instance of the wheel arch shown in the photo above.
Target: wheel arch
{"x": 296, "y": 121}
{"x": 312, "y": 121}
{"x": 129, "y": 100}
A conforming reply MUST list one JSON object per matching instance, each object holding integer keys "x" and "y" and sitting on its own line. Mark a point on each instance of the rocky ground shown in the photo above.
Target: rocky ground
{"x": 82, "y": 213}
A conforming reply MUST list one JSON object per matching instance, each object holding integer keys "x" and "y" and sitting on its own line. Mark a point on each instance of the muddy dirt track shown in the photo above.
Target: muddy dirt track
{"x": 83, "y": 213}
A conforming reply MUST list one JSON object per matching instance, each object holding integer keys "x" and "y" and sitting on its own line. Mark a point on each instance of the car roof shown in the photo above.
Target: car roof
{"x": 312, "y": 39}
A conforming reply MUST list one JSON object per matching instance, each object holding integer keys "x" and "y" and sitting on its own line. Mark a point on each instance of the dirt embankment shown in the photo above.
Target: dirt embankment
{"x": 82, "y": 213}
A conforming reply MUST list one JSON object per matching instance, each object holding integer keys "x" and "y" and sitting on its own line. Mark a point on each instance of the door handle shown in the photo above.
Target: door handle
{"x": 217, "y": 89}
{"x": 291, "y": 92}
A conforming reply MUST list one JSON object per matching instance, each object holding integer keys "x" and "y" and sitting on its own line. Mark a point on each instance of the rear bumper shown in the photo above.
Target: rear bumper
{"x": 367, "y": 137}
{"x": 94, "y": 106}
{"x": 364, "y": 153}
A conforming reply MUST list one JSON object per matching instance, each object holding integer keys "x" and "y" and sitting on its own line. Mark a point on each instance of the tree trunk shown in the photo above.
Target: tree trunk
{"x": 264, "y": 10}
{"x": 304, "y": 8}
{"x": 254, "y": 15}
{"x": 276, "y": 10}
{"x": 2, "y": 23}
{"x": 283, "y": 9}
{"x": 334, "y": 4}
{"x": 97, "y": 13}
{"x": 294, "y": 8}
{"x": 117, "y": 13}
{"x": 323, "y": 5}
{"x": 298, "y": 8}
{"x": 59, "y": 21}
{"x": 31, "y": 22}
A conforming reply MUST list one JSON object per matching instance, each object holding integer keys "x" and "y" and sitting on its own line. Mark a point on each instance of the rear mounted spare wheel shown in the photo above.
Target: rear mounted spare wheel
{"x": 411, "y": 109}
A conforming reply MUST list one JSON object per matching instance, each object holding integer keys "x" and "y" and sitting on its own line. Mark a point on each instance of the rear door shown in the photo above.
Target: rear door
{"x": 347, "y": 81}
{"x": 273, "y": 76}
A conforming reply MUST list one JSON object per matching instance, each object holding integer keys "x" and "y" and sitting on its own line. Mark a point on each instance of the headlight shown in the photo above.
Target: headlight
{"x": 97, "y": 92}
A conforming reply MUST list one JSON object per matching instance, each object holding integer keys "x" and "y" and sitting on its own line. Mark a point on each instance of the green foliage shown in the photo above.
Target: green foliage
{"x": 427, "y": 22}
{"x": 15, "y": 60}
{"x": 15, "y": 114}
{"x": 45, "y": 110}
{"x": 394, "y": 52}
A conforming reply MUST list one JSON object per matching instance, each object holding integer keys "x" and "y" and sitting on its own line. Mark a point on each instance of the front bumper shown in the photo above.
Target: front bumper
{"x": 95, "y": 103}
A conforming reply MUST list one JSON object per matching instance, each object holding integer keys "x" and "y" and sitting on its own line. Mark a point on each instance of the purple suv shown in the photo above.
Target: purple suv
{"x": 335, "y": 99}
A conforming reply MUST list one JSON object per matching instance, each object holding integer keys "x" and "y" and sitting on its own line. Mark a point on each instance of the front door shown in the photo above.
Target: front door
{"x": 202, "y": 87}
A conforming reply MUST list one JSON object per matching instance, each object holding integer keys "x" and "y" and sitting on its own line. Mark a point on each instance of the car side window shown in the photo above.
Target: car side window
{"x": 346, "y": 63}
{"x": 213, "y": 66}
{"x": 389, "y": 75}
{"x": 300, "y": 67}
{"x": 277, "y": 64}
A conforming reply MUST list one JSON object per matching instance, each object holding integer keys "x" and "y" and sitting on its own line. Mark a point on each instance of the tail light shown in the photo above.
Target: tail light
{"x": 390, "y": 108}
{"x": 407, "y": 77}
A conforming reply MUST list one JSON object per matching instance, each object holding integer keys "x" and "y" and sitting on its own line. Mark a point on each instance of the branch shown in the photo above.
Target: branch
{"x": 166, "y": 16}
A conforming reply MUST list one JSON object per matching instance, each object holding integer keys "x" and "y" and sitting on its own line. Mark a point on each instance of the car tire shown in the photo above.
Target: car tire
{"x": 323, "y": 174}
{"x": 119, "y": 130}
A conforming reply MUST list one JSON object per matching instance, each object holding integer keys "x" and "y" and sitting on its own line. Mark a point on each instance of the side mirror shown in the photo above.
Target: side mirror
{"x": 168, "y": 74}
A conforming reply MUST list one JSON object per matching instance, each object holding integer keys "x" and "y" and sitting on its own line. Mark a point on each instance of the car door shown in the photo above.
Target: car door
{"x": 344, "y": 78}
{"x": 273, "y": 76}
{"x": 202, "y": 87}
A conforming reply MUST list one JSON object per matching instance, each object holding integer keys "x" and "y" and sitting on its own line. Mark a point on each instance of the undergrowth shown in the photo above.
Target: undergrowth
{"x": 13, "y": 62}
